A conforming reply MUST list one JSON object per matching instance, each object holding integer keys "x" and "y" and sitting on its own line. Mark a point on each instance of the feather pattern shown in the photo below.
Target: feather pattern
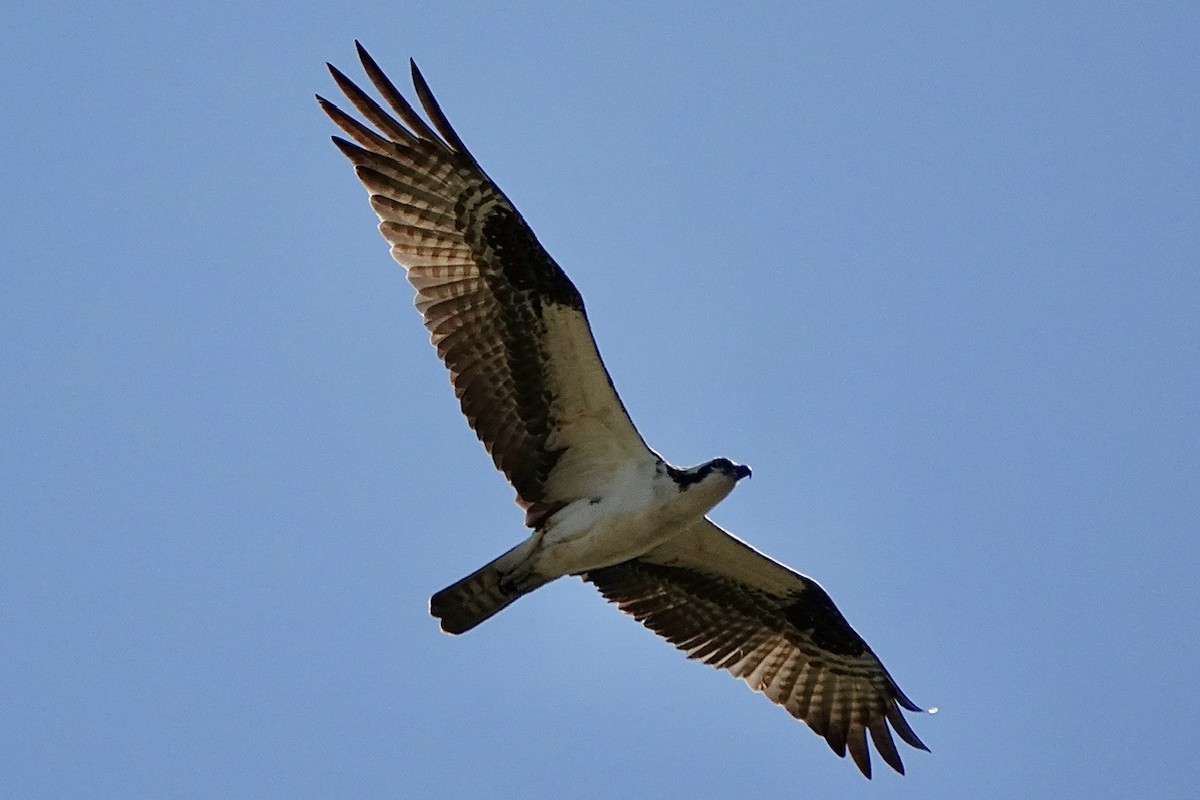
{"x": 726, "y": 604}
{"x": 512, "y": 330}
{"x": 506, "y": 320}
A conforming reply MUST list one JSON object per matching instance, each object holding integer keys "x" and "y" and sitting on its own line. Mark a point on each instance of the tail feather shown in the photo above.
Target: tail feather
{"x": 490, "y": 589}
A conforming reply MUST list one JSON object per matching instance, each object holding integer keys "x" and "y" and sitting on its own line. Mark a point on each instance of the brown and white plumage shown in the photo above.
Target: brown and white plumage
{"x": 492, "y": 298}
{"x": 726, "y": 604}
{"x": 512, "y": 330}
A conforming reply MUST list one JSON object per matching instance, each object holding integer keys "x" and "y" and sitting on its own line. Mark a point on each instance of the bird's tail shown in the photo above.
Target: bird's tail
{"x": 463, "y": 605}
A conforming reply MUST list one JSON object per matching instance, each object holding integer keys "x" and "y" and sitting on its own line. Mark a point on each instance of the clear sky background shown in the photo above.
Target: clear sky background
{"x": 933, "y": 270}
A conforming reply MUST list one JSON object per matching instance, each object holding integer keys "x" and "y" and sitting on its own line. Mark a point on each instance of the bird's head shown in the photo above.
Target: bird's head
{"x": 719, "y": 469}
{"x": 727, "y": 467}
{"x": 702, "y": 487}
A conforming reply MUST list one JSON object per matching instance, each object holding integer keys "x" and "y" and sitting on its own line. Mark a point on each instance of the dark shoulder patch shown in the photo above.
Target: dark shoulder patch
{"x": 813, "y": 611}
{"x": 523, "y": 261}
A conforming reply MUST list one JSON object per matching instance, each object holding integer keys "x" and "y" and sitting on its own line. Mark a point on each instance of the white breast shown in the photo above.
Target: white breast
{"x": 641, "y": 508}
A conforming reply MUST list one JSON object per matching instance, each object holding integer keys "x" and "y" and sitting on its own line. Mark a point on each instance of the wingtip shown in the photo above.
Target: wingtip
{"x": 348, "y": 148}
{"x": 339, "y": 77}
{"x": 369, "y": 64}
{"x": 859, "y": 751}
{"x": 906, "y": 702}
{"x": 418, "y": 79}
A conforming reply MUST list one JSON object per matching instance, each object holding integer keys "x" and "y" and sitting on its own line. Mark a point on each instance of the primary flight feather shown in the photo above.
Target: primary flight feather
{"x": 511, "y": 328}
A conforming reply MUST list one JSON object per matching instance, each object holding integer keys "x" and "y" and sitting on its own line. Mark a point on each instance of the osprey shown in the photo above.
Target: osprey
{"x": 511, "y": 328}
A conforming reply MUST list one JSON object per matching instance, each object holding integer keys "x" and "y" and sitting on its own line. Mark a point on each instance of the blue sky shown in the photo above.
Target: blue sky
{"x": 933, "y": 270}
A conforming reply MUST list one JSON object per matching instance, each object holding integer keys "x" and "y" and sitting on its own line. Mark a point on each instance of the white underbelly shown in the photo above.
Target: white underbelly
{"x": 590, "y": 534}
{"x": 640, "y": 509}
{"x": 608, "y": 541}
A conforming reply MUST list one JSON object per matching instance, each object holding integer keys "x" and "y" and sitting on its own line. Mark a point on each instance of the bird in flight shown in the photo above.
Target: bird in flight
{"x": 512, "y": 330}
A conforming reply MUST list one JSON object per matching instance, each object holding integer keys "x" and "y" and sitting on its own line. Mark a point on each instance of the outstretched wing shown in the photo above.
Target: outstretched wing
{"x": 504, "y": 317}
{"x": 721, "y": 601}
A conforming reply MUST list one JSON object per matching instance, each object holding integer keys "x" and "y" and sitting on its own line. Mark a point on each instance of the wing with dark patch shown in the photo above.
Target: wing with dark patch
{"x": 726, "y": 604}
{"x": 505, "y": 319}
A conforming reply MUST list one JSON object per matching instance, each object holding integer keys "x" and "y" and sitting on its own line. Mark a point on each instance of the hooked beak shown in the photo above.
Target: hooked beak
{"x": 742, "y": 471}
